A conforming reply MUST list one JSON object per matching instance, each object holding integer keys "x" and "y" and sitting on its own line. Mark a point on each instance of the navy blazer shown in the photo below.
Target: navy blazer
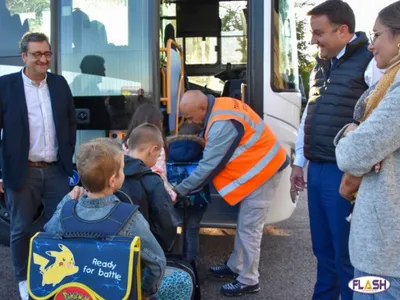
{"x": 15, "y": 125}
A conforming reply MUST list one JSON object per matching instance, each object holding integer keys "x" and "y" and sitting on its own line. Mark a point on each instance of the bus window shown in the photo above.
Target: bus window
{"x": 201, "y": 51}
{"x": 105, "y": 51}
{"x": 207, "y": 51}
{"x": 285, "y": 72}
{"x": 233, "y": 32}
{"x": 167, "y": 16}
{"x": 105, "y": 47}
{"x": 207, "y": 82}
{"x": 16, "y": 18}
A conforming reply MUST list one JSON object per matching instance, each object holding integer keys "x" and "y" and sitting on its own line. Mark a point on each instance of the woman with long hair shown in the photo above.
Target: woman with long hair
{"x": 370, "y": 150}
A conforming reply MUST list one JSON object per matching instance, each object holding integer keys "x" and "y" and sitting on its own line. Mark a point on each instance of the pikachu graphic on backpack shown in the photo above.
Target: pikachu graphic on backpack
{"x": 63, "y": 266}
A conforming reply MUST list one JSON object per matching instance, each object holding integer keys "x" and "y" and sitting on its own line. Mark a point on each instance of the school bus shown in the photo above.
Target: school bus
{"x": 114, "y": 52}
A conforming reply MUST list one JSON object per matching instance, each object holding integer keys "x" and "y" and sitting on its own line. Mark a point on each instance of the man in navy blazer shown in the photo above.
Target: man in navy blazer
{"x": 38, "y": 122}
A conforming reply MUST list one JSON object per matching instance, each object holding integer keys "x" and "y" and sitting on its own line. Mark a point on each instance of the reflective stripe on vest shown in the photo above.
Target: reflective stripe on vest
{"x": 253, "y": 172}
{"x": 258, "y": 156}
{"x": 259, "y": 129}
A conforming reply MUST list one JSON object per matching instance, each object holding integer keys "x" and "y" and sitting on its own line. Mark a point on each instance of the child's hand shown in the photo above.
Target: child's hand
{"x": 77, "y": 192}
{"x": 377, "y": 167}
{"x": 350, "y": 128}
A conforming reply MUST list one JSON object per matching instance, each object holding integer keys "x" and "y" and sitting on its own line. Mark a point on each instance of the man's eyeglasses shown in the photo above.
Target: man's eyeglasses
{"x": 38, "y": 55}
{"x": 373, "y": 35}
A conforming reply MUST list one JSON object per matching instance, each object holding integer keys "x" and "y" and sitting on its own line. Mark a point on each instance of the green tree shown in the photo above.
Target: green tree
{"x": 306, "y": 61}
{"x": 231, "y": 21}
{"x": 29, "y": 6}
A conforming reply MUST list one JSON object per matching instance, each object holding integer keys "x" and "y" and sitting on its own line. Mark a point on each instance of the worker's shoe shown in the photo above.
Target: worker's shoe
{"x": 222, "y": 271}
{"x": 237, "y": 289}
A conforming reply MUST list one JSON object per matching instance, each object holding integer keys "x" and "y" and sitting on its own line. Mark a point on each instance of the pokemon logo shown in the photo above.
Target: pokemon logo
{"x": 74, "y": 296}
{"x": 74, "y": 293}
{"x": 63, "y": 266}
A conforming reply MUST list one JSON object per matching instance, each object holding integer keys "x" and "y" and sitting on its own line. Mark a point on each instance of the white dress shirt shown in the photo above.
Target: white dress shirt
{"x": 43, "y": 145}
{"x": 371, "y": 76}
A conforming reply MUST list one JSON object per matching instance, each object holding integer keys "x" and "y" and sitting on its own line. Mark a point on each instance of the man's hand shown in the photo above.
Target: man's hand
{"x": 1, "y": 187}
{"x": 77, "y": 192}
{"x": 297, "y": 183}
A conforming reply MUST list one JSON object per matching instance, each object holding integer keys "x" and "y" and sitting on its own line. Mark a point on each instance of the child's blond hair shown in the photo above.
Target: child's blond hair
{"x": 97, "y": 160}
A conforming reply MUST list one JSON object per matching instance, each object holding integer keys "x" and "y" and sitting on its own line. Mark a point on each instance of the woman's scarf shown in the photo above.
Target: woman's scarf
{"x": 350, "y": 184}
{"x": 380, "y": 90}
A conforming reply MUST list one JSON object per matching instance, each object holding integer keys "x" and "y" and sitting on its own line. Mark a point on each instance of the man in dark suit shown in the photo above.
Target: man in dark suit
{"x": 38, "y": 122}
{"x": 337, "y": 81}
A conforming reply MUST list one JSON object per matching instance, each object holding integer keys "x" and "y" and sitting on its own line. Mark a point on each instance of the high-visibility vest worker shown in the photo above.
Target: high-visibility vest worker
{"x": 258, "y": 156}
{"x": 244, "y": 160}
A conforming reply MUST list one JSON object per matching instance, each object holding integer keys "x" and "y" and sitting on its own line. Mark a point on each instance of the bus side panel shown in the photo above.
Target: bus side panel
{"x": 284, "y": 202}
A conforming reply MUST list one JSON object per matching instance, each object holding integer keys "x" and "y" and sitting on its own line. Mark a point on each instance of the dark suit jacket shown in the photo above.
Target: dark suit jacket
{"x": 14, "y": 122}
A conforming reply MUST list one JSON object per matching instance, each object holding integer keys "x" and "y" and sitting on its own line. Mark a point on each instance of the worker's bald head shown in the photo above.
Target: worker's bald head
{"x": 193, "y": 106}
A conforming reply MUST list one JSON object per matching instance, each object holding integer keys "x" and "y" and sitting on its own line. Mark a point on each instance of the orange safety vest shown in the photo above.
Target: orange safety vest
{"x": 258, "y": 156}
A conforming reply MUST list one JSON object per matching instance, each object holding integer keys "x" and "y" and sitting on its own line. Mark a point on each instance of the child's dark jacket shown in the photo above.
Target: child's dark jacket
{"x": 146, "y": 189}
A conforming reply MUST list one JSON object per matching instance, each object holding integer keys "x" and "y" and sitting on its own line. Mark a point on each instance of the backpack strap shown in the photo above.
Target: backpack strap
{"x": 145, "y": 210}
{"x": 110, "y": 225}
{"x": 140, "y": 177}
{"x": 123, "y": 197}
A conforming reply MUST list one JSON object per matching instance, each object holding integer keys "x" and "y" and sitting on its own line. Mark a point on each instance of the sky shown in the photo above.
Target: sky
{"x": 365, "y": 11}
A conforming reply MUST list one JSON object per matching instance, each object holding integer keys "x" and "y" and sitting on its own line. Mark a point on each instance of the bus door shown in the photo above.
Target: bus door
{"x": 231, "y": 48}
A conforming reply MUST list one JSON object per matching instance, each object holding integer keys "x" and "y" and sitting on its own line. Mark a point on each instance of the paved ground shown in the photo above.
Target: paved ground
{"x": 287, "y": 265}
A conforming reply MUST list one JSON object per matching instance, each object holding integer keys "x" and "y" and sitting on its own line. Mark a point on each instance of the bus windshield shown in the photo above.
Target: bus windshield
{"x": 103, "y": 47}
{"x": 285, "y": 73}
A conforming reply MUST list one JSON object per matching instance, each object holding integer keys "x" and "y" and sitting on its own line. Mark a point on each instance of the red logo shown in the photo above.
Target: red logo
{"x": 74, "y": 293}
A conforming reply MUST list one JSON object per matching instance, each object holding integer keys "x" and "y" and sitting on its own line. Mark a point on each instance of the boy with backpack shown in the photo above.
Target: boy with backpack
{"x": 100, "y": 164}
{"x": 145, "y": 187}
